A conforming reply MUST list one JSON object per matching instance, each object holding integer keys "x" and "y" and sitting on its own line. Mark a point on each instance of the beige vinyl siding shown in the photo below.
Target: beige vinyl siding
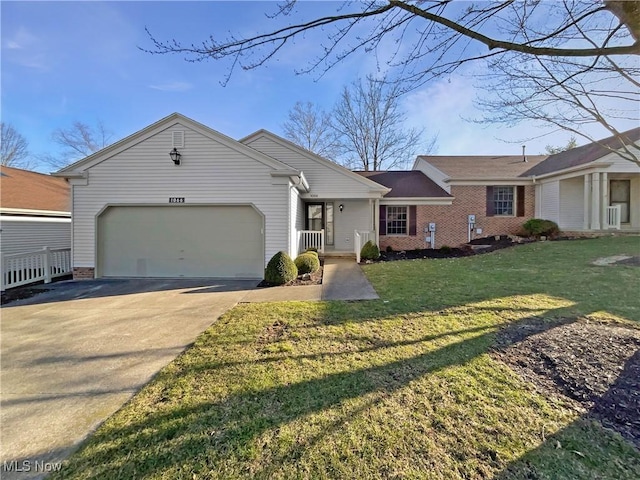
{"x": 620, "y": 165}
{"x": 572, "y": 204}
{"x": 356, "y": 215}
{"x": 324, "y": 181}
{"x": 433, "y": 173}
{"x": 27, "y": 234}
{"x": 211, "y": 173}
{"x": 549, "y": 201}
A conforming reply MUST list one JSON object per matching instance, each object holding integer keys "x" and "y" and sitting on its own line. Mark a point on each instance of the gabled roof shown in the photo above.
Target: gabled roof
{"x": 163, "y": 124}
{"x": 582, "y": 155}
{"x": 406, "y": 184}
{"x": 23, "y": 189}
{"x": 482, "y": 167}
{"x": 313, "y": 156}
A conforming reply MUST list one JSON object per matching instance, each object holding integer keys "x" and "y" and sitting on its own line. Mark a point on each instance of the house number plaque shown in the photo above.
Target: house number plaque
{"x": 176, "y": 199}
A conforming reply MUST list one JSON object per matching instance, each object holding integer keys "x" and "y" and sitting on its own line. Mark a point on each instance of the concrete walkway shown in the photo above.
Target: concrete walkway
{"x": 343, "y": 279}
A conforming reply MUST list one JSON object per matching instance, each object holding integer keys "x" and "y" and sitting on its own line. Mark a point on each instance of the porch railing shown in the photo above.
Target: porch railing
{"x": 613, "y": 217}
{"x": 311, "y": 239}
{"x": 29, "y": 267}
{"x": 360, "y": 237}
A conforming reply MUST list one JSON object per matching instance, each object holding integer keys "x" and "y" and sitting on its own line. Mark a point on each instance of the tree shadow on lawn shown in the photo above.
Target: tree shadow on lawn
{"x": 170, "y": 434}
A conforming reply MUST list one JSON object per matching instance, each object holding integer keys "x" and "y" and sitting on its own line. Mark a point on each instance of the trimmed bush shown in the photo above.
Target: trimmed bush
{"x": 280, "y": 269}
{"x": 312, "y": 252}
{"x": 370, "y": 251}
{"x": 537, "y": 227}
{"x": 445, "y": 249}
{"x": 311, "y": 249}
{"x": 307, "y": 262}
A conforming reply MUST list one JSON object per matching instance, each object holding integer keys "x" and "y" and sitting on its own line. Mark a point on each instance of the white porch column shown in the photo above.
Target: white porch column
{"x": 595, "y": 201}
{"x": 376, "y": 220}
{"x": 586, "y": 208}
{"x": 604, "y": 203}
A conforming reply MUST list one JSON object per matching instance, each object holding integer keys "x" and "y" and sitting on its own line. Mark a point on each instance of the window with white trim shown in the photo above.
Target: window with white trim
{"x": 397, "y": 223}
{"x": 503, "y": 201}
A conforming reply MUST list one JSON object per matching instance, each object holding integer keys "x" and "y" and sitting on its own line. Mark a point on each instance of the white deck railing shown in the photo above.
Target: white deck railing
{"x": 613, "y": 217}
{"x": 311, "y": 239}
{"x": 360, "y": 237}
{"x": 29, "y": 267}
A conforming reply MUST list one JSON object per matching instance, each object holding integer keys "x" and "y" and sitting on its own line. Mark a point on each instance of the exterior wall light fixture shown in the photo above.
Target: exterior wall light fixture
{"x": 175, "y": 156}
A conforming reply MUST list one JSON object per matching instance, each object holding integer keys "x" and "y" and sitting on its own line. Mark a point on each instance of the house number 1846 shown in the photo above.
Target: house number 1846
{"x": 176, "y": 199}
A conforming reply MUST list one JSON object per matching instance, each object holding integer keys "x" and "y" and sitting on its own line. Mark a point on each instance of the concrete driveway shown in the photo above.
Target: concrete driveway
{"x": 74, "y": 355}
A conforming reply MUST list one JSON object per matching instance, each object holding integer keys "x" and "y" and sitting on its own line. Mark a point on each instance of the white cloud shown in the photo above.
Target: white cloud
{"x": 173, "y": 86}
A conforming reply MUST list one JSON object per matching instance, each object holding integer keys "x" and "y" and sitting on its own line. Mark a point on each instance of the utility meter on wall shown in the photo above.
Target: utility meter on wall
{"x": 472, "y": 219}
{"x": 432, "y": 227}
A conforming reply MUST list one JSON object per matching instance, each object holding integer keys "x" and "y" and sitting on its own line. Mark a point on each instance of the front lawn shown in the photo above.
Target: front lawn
{"x": 403, "y": 387}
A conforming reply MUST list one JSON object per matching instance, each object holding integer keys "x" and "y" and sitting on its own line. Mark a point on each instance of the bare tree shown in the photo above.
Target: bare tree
{"x": 13, "y": 147}
{"x": 551, "y": 150}
{"x": 559, "y": 62}
{"x": 370, "y": 124}
{"x": 310, "y": 127}
{"x": 77, "y": 141}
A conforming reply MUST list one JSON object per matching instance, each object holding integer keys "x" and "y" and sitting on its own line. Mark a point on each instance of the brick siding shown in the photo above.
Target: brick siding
{"x": 451, "y": 220}
{"x": 83, "y": 273}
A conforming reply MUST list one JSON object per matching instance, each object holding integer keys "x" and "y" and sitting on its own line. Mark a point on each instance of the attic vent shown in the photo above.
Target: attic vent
{"x": 177, "y": 139}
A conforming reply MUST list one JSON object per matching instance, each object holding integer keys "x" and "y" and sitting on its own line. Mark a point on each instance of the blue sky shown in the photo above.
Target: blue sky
{"x": 79, "y": 61}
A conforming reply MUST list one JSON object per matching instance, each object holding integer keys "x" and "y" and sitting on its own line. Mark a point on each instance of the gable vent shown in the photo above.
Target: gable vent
{"x": 177, "y": 139}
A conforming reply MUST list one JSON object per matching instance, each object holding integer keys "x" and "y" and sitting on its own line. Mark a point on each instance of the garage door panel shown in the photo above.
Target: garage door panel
{"x": 181, "y": 241}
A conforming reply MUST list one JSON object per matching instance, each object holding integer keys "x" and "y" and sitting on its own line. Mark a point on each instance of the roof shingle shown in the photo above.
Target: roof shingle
{"x": 33, "y": 191}
{"x": 482, "y": 167}
{"x": 581, "y": 155}
{"x": 406, "y": 184}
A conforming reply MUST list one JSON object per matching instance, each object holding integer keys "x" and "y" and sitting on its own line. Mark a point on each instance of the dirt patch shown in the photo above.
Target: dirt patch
{"x": 273, "y": 332}
{"x": 20, "y": 293}
{"x": 595, "y": 364}
{"x": 614, "y": 260}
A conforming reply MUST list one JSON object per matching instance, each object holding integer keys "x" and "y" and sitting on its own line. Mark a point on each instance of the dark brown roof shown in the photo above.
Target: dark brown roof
{"x": 33, "y": 191}
{"x": 582, "y": 155}
{"x": 404, "y": 184}
{"x": 482, "y": 167}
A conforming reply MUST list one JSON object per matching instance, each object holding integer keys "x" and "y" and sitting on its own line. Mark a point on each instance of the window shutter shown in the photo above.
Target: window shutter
{"x": 520, "y": 200}
{"x": 490, "y": 205}
{"x": 383, "y": 220}
{"x": 412, "y": 220}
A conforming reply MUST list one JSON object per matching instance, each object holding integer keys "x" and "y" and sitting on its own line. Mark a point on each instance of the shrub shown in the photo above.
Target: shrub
{"x": 311, "y": 249}
{"x": 537, "y": 227}
{"x": 307, "y": 262}
{"x": 312, "y": 252}
{"x": 445, "y": 249}
{"x": 280, "y": 269}
{"x": 389, "y": 249}
{"x": 370, "y": 251}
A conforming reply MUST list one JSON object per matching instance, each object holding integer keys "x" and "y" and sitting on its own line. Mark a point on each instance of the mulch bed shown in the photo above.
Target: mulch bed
{"x": 474, "y": 247}
{"x": 595, "y": 364}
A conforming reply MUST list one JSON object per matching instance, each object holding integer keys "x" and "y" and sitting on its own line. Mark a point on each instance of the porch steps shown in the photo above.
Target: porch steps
{"x": 338, "y": 254}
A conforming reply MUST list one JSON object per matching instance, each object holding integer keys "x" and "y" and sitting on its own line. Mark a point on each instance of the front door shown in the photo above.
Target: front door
{"x": 620, "y": 194}
{"x": 320, "y": 216}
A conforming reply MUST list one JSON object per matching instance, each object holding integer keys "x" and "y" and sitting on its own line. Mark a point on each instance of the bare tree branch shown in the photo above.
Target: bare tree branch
{"x": 311, "y": 128}
{"x": 370, "y": 123}
{"x": 77, "y": 141}
{"x": 14, "y": 148}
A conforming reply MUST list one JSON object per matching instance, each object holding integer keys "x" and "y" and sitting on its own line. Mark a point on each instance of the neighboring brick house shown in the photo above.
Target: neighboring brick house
{"x": 444, "y": 191}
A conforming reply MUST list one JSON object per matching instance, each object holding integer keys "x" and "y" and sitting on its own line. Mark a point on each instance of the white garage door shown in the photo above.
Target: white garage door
{"x": 181, "y": 241}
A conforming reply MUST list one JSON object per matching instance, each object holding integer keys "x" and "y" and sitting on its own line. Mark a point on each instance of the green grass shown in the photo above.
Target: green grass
{"x": 402, "y": 387}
